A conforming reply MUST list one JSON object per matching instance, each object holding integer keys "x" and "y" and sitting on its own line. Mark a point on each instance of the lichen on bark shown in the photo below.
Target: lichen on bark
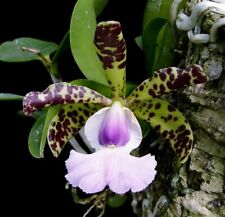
{"x": 197, "y": 188}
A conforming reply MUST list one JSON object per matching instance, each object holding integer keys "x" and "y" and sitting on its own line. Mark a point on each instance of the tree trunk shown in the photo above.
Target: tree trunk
{"x": 197, "y": 187}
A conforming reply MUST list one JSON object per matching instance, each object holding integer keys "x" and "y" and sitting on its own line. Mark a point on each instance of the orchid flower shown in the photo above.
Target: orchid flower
{"x": 110, "y": 124}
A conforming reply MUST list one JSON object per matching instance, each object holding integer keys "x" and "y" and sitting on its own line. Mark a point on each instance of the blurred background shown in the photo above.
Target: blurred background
{"x": 37, "y": 186}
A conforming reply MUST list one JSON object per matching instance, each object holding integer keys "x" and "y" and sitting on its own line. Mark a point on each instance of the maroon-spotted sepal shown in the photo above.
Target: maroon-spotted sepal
{"x": 111, "y": 49}
{"x": 62, "y": 93}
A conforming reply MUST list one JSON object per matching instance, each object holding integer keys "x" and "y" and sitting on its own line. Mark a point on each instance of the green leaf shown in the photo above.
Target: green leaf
{"x": 35, "y": 137}
{"x": 10, "y": 96}
{"x": 138, "y": 41}
{"x": 116, "y": 201}
{"x": 156, "y": 9}
{"x": 12, "y": 51}
{"x": 130, "y": 88}
{"x": 82, "y": 31}
{"x": 63, "y": 46}
{"x": 99, "y": 5}
{"x": 38, "y": 134}
{"x": 52, "y": 111}
{"x": 164, "y": 56}
{"x": 149, "y": 41}
{"x": 145, "y": 128}
{"x": 104, "y": 90}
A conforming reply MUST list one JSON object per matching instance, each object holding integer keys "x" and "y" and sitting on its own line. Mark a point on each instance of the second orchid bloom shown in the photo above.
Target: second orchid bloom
{"x": 110, "y": 124}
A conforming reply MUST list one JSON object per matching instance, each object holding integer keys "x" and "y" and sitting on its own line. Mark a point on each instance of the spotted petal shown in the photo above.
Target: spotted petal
{"x": 67, "y": 123}
{"x": 111, "y": 49}
{"x": 169, "y": 123}
{"x": 167, "y": 80}
{"x": 110, "y": 167}
{"x": 61, "y": 93}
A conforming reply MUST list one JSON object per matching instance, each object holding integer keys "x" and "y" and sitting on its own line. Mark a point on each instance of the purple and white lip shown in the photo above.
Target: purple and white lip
{"x": 115, "y": 128}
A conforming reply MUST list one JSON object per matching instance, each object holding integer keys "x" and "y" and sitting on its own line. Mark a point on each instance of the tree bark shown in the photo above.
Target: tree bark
{"x": 197, "y": 187}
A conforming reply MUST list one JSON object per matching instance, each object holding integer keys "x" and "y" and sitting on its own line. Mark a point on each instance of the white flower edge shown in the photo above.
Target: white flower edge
{"x": 118, "y": 170}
